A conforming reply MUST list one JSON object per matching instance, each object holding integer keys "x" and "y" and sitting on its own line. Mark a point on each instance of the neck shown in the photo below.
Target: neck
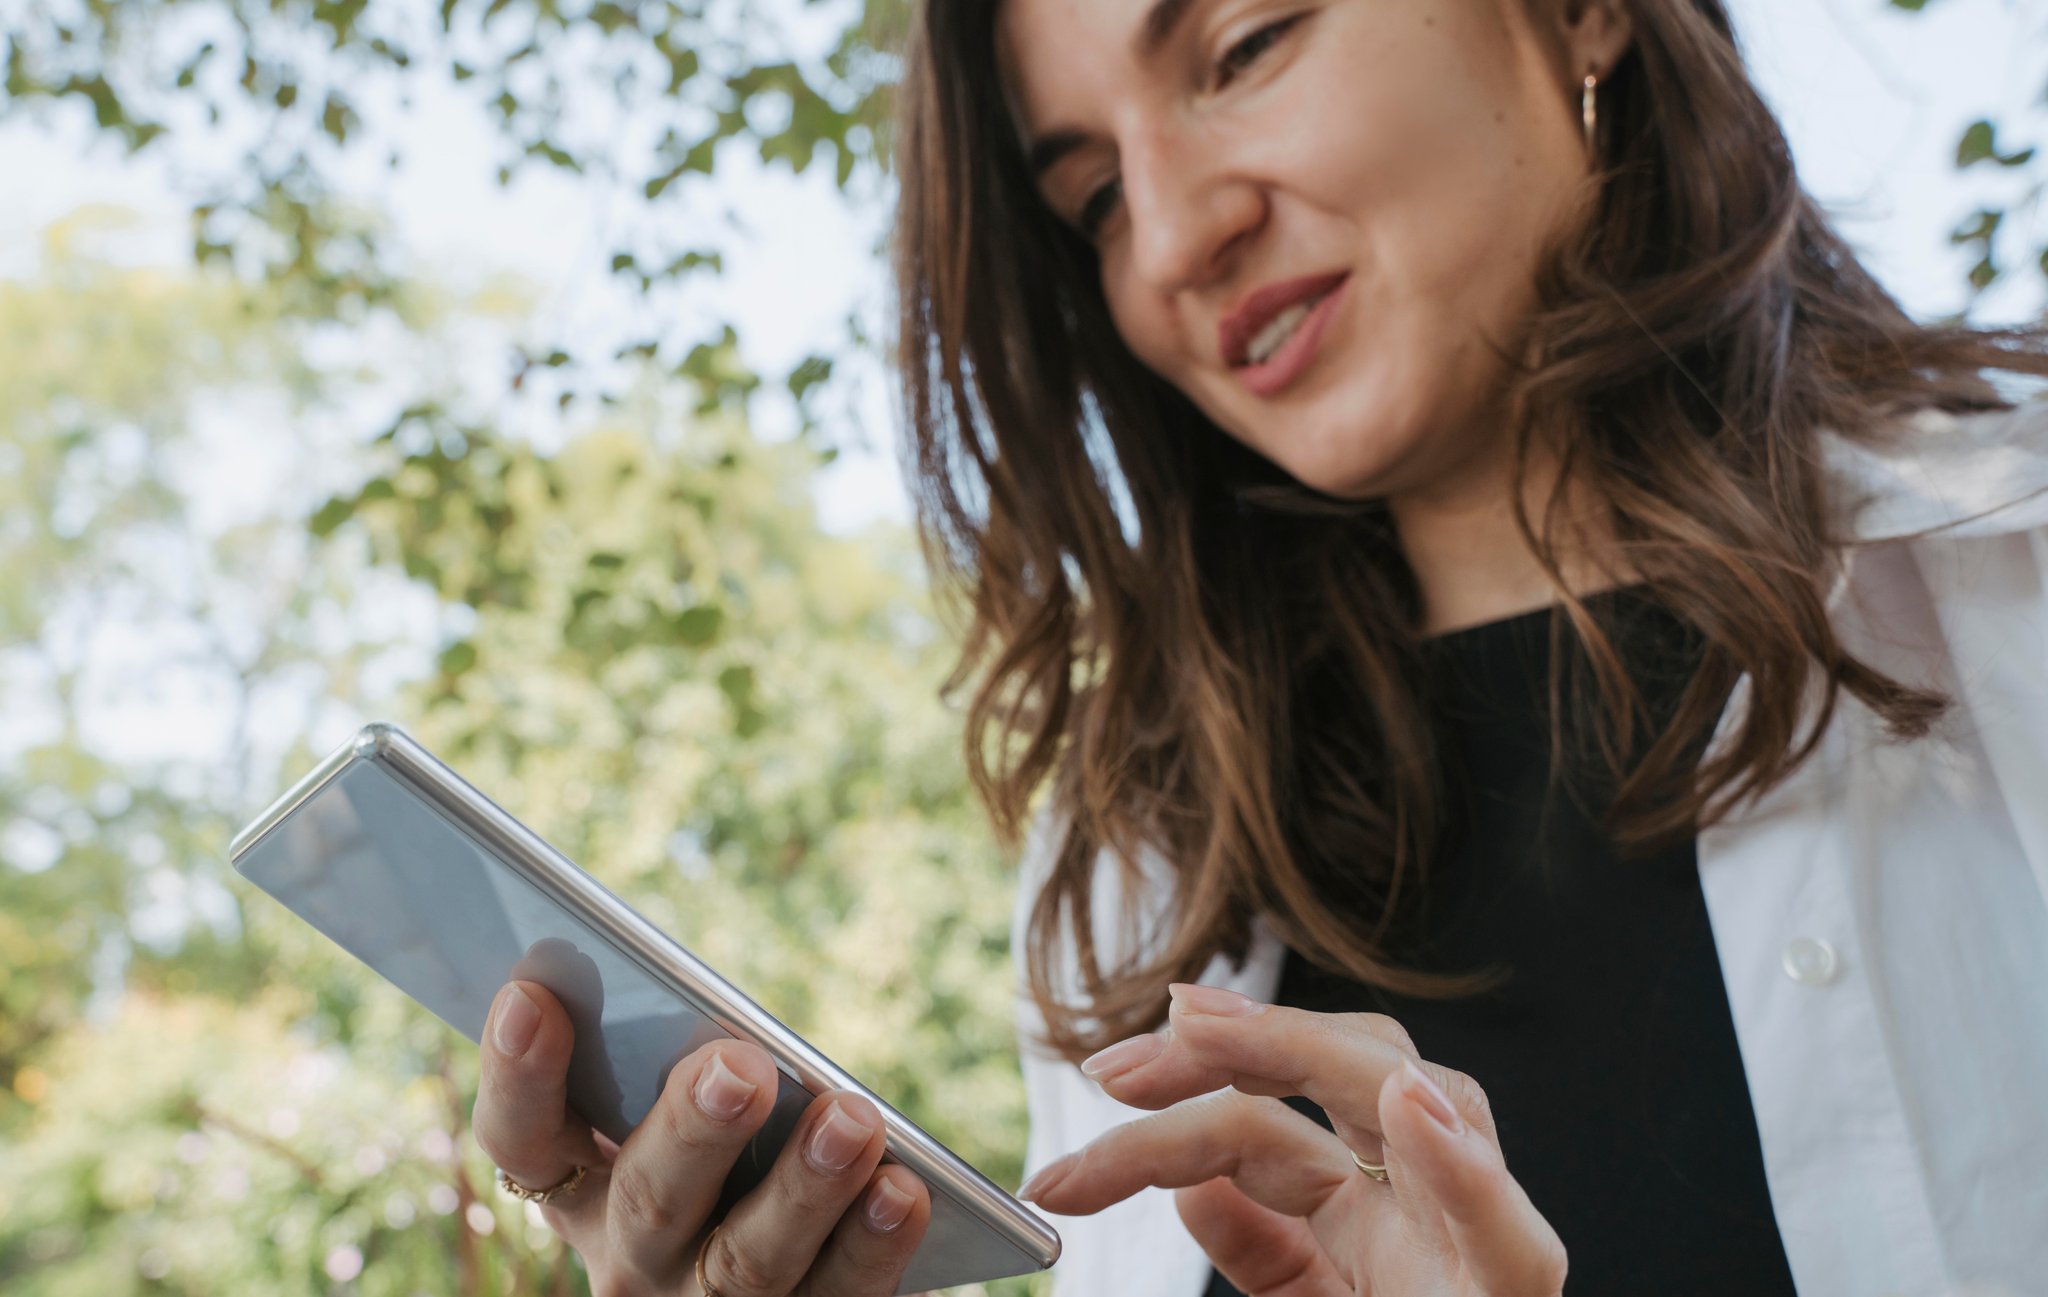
{"x": 1471, "y": 562}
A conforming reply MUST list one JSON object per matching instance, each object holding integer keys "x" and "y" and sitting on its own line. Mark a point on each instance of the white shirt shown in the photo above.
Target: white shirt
{"x": 1881, "y": 917}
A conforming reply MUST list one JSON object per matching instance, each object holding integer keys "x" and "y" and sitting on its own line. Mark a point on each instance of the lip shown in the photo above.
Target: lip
{"x": 1294, "y": 356}
{"x": 1242, "y": 323}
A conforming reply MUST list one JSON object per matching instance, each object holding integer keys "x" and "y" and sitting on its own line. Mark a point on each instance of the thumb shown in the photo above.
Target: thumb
{"x": 1502, "y": 1241}
{"x": 1258, "y": 1249}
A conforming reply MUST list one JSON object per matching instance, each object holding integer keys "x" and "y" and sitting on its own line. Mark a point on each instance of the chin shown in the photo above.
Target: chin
{"x": 1346, "y": 464}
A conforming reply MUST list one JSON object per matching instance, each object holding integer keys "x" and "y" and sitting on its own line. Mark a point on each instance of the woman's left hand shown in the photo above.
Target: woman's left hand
{"x": 1277, "y": 1201}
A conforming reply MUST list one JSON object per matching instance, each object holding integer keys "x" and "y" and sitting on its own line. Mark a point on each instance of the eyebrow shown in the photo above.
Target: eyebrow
{"x": 1153, "y": 35}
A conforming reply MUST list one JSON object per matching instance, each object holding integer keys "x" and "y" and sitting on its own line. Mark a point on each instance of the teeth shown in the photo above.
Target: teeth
{"x": 1279, "y": 330}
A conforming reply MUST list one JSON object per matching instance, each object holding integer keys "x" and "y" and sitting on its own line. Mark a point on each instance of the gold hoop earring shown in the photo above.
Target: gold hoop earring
{"x": 1588, "y": 110}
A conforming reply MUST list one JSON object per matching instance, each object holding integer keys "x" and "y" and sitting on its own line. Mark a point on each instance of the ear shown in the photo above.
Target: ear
{"x": 1594, "y": 34}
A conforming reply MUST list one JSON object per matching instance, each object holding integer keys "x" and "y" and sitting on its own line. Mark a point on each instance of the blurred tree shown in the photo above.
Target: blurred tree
{"x": 101, "y": 371}
{"x": 639, "y": 642}
{"x": 272, "y": 107}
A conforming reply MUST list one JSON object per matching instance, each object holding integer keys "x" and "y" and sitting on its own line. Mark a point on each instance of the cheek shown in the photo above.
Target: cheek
{"x": 1147, "y": 328}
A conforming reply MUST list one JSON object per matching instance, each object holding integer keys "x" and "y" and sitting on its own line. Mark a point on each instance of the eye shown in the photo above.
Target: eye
{"x": 1097, "y": 209}
{"x": 1247, "y": 51}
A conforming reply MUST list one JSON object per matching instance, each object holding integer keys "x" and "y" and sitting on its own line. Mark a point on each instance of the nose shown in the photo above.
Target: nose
{"x": 1189, "y": 211}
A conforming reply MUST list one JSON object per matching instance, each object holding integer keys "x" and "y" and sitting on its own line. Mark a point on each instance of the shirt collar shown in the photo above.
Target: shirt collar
{"x": 1978, "y": 474}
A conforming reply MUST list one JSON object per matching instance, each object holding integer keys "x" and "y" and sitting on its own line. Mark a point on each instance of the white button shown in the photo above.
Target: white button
{"x": 1810, "y": 961}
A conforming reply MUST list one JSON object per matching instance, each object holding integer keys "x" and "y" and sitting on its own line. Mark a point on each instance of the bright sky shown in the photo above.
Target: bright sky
{"x": 1873, "y": 100}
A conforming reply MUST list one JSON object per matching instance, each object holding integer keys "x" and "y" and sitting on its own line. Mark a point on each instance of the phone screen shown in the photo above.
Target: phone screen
{"x": 390, "y": 879}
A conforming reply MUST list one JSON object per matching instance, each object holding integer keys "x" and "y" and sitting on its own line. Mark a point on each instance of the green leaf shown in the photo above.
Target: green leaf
{"x": 737, "y": 684}
{"x": 458, "y": 658}
{"x": 330, "y": 516}
{"x": 813, "y": 371}
{"x": 1980, "y": 144}
{"x": 337, "y": 119}
{"x": 653, "y": 188}
{"x": 1979, "y": 227}
{"x": 698, "y": 626}
{"x": 682, "y": 65}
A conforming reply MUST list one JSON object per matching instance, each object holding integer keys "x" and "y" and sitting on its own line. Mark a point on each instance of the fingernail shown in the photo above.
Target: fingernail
{"x": 1123, "y": 1056}
{"x": 888, "y": 1207}
{"x": 721, "y": 1092}
{"x": 518, "y": 1019}
{"x": 1213, "y": 1000}
{"x": 1424, "y": 1091}
{"x": 1048, "y": 1175}
{"x": 837, "y": 1141}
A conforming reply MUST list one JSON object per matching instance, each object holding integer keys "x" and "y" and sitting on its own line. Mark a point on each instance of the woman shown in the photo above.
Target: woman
{"x": 1533, "y": 661}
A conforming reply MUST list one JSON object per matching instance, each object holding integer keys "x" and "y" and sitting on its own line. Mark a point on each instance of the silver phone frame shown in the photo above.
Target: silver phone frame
{"x": 662, "y": 958}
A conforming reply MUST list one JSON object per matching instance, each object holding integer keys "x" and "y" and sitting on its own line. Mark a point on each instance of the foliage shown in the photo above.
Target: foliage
{"x": 640, "y": 98}
{"x": 638, "y": 640}
{"x": 1986, "y": 143}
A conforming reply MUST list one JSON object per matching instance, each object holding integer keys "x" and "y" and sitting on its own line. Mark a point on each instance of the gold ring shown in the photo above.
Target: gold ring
{"x": 1377, "y": 1170}
{"x": 703, "y": 1284}
{"x": 565, "y": 1185}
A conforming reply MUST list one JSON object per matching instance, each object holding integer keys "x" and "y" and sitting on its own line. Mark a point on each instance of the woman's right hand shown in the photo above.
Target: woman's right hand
{"x": 827, "y": 1221}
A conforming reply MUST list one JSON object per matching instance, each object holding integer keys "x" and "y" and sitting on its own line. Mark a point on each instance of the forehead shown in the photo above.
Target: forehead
{"x": 1052, "y": 53}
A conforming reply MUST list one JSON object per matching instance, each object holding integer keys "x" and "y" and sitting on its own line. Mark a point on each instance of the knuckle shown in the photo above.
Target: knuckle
{"x": 497, "y": 1145}
{"x": 877, "y": 1259}
{"x": 635, "y": 1204}
{"x": 806, "y": 1191}
{"x": 1468, "y": 1097}
{"x": 738, "y": 1268}
{"x": 1466, "y": 1092}
{"x": 1382, "y": 1027}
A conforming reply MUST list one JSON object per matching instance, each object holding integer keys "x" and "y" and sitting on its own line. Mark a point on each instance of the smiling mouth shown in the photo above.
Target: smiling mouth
{"x": 1279, "y": 329}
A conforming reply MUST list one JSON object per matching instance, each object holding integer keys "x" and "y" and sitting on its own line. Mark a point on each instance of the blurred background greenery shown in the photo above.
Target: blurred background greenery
{"x": 588, "y": 568}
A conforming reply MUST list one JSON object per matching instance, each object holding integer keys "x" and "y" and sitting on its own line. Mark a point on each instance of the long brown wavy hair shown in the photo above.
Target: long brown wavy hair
{"x": 1214, "y": 664}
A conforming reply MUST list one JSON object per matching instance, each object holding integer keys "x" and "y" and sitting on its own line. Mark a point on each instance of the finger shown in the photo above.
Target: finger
{"x": 772, "y": 1236}
{"x": 673, "y": 1166}
{"x": 1337, "y": 1060}
{"x": 1280, "y": 1158}
{"x": 873, "y": 1243}
{"x": 1503, "y": 1241}
{"x": 522, "y": 1119}
{"x": 1161, "y": 1069}
{"x": 1258, "y": 1249}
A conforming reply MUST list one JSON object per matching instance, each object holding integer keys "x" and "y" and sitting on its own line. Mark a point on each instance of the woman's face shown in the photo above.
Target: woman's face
{"x": 1310, "y": 214}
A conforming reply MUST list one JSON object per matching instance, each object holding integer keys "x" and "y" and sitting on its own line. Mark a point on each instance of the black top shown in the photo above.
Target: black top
{"x": 1608, "y": 1055}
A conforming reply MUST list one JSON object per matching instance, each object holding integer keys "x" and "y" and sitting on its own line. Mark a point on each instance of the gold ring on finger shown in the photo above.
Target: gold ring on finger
{"x": 567, "y": 1184}
{"x": 704, "y": 1284}
{"x": 1377, "y": 1170}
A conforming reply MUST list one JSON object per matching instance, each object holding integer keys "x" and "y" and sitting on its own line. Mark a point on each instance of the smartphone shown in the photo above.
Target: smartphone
{"x": 404, "y": 865}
